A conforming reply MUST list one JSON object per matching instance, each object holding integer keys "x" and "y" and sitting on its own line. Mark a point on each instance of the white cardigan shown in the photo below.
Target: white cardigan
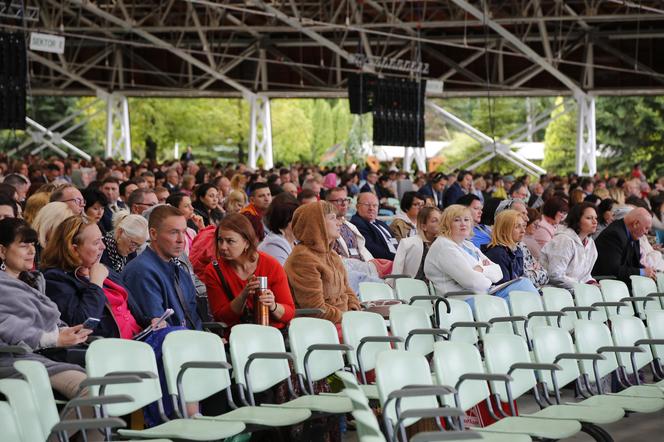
{"x": 567, "y": 260}
{"x": 409, "y": 255}
{"x": 450, "y": 268}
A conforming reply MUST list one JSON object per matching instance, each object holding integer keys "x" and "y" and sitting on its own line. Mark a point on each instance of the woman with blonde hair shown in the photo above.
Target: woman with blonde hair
{"x": 235, "y": 202}
{"x": 34, "y": 204}
{"x": 508, "y": 231}
{"x": 128, "y": 235}
{"x": 239, "y": 182}
{"x": 48, "y": 218}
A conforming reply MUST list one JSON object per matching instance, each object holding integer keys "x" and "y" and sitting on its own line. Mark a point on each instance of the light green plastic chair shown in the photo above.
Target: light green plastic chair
{"x": 459, "y": 364}
{"x": 367, "y": 334}
{"x": 510, "y": 355}
{"x": 261, "y": 362}
{"x": 557, "y": 299}
{"x": 22, "y": 416}
{"x": 195, "y": 366}
{"x": 315, "y": 345}
{"x": 530, "y": 305}
{"x": 10, "y": 432}
{"x": 374, "y": 291}
{"x": 595, "y": 337}
{"x": 494, "y": 310}
{"x": 660, "y": 282}
{"x": 110, "y": 356}
{"x": 656, "y": 331}
{"x": 630, "y": 332}
{"x": 553, "y": 345}
{"x": 413, "y": 325}
{"x": 460, "y": 321}
{"x": 588, "y": 295}
{"x": 416, "y": 292}
{"x": 617, "y": 291}
{"x": 644, "y": 286}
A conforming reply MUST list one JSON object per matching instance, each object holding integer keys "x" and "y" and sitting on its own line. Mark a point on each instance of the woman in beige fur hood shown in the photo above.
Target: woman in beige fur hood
{"x": 315, "y": 272}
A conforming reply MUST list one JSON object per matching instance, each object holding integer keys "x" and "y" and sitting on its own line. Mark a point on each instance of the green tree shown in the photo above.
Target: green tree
{"x": 560, "y": 142}
{"x": 323, "y": 129}
{"x": 291, "y": 132}
{"x": 342, "y": 121}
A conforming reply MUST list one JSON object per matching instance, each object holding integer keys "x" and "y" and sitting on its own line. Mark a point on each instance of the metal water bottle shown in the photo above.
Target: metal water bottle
{"x": 261, "y": 311}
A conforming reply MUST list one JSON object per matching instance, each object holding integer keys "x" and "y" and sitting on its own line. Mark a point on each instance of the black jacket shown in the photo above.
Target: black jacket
{"x": 617, "y": 253}
{"x": 510, "y": 261}
{"x": 375, "y": 242}
{"x": 78, "y": 299}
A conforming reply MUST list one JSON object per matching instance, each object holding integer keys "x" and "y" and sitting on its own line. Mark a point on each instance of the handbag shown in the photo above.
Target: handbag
{"x": 247, "y": 316}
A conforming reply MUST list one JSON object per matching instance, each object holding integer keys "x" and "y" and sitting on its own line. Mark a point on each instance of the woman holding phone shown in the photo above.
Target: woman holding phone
{"x": 28, "y": 318}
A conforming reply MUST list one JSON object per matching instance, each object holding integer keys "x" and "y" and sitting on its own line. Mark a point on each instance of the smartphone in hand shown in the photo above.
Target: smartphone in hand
{"x": 91, "y": 323}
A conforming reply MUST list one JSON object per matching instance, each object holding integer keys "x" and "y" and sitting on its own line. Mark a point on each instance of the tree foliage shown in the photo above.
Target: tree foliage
{"x": 560, "y": 142}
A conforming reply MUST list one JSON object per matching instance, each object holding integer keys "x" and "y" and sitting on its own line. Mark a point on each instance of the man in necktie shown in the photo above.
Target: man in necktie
{"x": 380, "y": 240}
{"x": 110, "y": 187}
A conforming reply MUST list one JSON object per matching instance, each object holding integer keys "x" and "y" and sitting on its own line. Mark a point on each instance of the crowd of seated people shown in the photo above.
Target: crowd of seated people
{"x": 125, "y": 242}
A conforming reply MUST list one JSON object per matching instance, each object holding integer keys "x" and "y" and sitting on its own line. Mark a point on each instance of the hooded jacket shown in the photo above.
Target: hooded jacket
{"x": 315, "y": 272}
{"x": 567, "y": 259}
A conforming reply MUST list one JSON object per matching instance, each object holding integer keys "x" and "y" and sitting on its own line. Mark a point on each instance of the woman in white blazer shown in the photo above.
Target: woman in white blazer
{"x": 454, "y": 263}
{"x": 409, "y": 259}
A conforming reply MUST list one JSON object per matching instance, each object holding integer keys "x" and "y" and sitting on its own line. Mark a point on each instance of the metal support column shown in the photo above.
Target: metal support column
{"x": 419, "y": 154}
{"x": 586, "y": 138}
{"x": 118, "y": 129}
{"x": 260, "y": 132}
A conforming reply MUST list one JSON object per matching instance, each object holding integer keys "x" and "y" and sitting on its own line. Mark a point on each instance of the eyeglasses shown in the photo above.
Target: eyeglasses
{"x": 372, "y": 206}
{"x": 418, "y": 204}
{"x": 340, "y": 201}
{"x": 78, "y": 201}
{"x": 146, "y": 204}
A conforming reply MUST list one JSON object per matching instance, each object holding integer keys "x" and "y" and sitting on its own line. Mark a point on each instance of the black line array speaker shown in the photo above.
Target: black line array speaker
{"x": 12, "y": 80}
{"x": 398, "y": 113}
{"x": 361, "y": 89}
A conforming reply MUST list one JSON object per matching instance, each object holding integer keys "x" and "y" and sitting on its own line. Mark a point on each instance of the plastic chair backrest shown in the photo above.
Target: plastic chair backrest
{"x": 586, "y": 295}
{"x": 357, "y": 325}
{"x": 395, "y": 369}
{"x": 548, "y": 343}
{"x": 626, "y": 331}
{"x": 373, "y": 291}
{"x": 26, "y": 414}
{"x": 555, "y": 299}
{"x": 247, "y": 339}
{"x": 111, "y": 355}
{"x": 522, "y": 304}
{"x": 368, "y": 428}
{"x": 358, "y": 399}
{"x": 452, "y": 359}
{"x": 406, "y": 288}
{"x": 349, "y": 380}
{"x": 488, "y": 307}
{"x": 643, "y": 286}
{"x": 37, "y": 377}
{"x": 589, "y": 336}
{"x": 403, "y": 319}
{"x": 501, "y": 351}
{"x": 184, "y": 346}
{"x": 660, "y": 282}
{"x": 10, "y": 431}
{"x": 656, "y": 329}
{"x": 460, "y": 311}
{"x": 304, "y": 332}
{"x": 613, "y": 291}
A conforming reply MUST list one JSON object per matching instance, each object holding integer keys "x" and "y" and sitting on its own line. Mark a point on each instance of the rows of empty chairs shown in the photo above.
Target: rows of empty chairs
{"x": 431, "y": 357}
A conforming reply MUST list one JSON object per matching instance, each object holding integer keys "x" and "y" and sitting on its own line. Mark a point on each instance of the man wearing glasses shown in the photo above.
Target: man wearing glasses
{"x": 379, "y": 238}
{"x": 70, "y": 195}
{"x": 141, "y": 200}
{"x": 351, "y": 243}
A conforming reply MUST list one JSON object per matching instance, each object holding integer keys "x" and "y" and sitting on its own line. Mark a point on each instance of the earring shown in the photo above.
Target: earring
{"x": 3, "y": 267}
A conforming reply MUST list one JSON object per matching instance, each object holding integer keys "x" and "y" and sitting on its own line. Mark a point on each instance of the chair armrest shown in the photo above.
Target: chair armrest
{"x": 392, "y": 339}
{"x": 546, "y": 314}
{"x": 441, "y": 436}
{"x": 98, "y": 400}
{"x": 205, "y": 364}
{"x": 270, "y": 355}
{"x": 330, "y": 347}
{"x": 508, "y": 319}
{"x": 87, "y": 424}
{"x": 579, "y": 357}
{"x": 579, "y": 309}
{"x": 396, "y": 276}
{"x": 649, "y": 342}
{"x": 497, "y": 377}
{"x": 140, "y": 374}
{"x": 608, "y": 304}
{"x": 308, "y": 312}
{"x": 110, "y": 380}
{"x": 215, "y": 325}
{"x": 600, "y": 277}
{"x": 620, "y": 349}
{"x": 459, "y": 293}
{"x": 466, "y": 324}
{"x": 421, "y": 390}
{"x": 656, "y": 294}
{"x": 426, "y": 331}
{"x": 13, "y": 349}
{"x": 533, "y": 366}
{"x": 431, "y": 412}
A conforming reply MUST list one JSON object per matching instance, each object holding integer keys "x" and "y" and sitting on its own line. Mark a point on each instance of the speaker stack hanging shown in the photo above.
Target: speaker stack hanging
{"x": 398, "y": 113}
{"x": 12, "y": 80}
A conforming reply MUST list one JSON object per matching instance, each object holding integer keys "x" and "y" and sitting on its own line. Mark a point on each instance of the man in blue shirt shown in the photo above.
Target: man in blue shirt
{"x": 156, "y": 279}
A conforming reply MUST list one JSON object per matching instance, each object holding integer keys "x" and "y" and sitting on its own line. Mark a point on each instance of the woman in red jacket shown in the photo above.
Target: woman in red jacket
{"x": 231, "y": 279}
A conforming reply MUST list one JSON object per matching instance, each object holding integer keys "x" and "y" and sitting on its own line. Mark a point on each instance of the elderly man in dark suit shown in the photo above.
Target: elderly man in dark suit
{"x": 618, "y": 248}
{"x": 380, "y": 240}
